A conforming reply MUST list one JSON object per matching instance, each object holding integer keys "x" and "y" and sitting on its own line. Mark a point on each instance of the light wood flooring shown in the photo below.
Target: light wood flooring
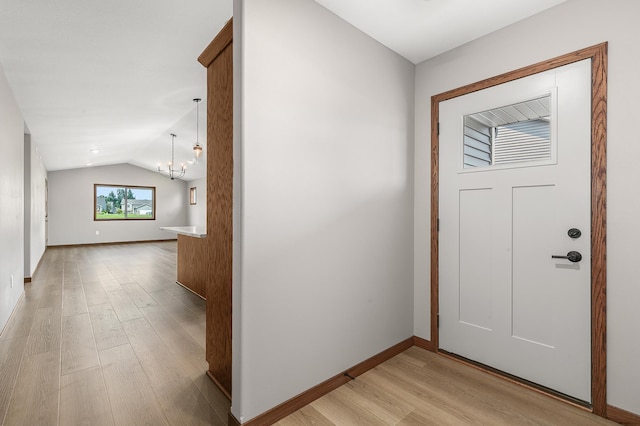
{"x": 104, "y": 336}
{"x": 419, "y": 387}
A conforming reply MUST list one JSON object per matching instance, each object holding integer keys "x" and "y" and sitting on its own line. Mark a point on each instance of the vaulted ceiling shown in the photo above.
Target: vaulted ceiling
{"x": 120, "y": 76}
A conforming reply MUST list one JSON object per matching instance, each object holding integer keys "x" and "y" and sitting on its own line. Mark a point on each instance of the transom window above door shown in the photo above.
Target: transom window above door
{"x": 512, "y": 134}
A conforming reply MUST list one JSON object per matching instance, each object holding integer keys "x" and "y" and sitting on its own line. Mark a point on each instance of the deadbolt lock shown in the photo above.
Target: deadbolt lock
{"x": 574, "y": 233}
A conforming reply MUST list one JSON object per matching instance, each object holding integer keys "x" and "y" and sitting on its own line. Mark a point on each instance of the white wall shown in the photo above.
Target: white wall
{"x": 12, "y": 205}
{"x": 71, "y": 205}
{"x": 197, "y": 214}
{"x": 35, "y": 175}
{"x": 570, "y": 26}
{"x": 323, "y": 274}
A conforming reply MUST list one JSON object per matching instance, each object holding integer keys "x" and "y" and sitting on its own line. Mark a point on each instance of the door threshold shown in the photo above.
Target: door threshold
{"x": 567, "y": 399}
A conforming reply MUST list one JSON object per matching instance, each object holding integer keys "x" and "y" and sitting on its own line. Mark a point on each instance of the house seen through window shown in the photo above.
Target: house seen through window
{"x": 510, "y": 134}
{"x": 122, "y": 202}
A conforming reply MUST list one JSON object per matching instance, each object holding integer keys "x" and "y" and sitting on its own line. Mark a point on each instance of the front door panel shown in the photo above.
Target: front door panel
{"x": 511, "y": 188}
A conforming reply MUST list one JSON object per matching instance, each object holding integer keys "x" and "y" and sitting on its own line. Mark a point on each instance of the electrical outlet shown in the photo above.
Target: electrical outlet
{"x": 97, "y": 232}
{"x": 11, "y": 281}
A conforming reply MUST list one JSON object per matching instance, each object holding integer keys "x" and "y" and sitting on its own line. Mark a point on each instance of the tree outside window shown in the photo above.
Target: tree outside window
{"x": 124, "y": 202}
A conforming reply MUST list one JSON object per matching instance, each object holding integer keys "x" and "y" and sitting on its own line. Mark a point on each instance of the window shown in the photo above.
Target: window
{"x": 508, "y": 135}
{"x": 193, "y": 195}
{"x": 122, "y": 202}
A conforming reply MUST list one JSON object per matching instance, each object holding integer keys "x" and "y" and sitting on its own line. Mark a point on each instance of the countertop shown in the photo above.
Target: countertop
{"x": 192, "y": 231}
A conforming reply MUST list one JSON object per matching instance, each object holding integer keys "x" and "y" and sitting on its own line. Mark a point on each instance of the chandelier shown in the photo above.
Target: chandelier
{"x": 197, "y": 148}
{"x": 169, "y": 171}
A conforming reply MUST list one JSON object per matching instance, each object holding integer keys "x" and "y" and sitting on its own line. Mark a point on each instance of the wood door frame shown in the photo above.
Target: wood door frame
{"x": 598, "y": 56}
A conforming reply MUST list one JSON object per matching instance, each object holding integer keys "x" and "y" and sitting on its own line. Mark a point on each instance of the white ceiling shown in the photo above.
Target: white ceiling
{"x": 422, "y": 29}
{"x": 116, "y": 75}
{"x": 120, "y": 76}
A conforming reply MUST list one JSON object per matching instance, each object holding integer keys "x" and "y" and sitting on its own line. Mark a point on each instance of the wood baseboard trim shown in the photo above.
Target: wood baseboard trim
{"x": 379, "y": 358}
{"x": 294, "y": 404}
{"x": 110, "y": 243}
{"x": 220, "y": 387}
{"x": 623, "y": 417}
{"x": 424, "y": 343}
{"x": 187, "y": 288}
{"x": 233, "y": 421}
{"x": 615, "y": 414}
{"x": 27, "y": 280}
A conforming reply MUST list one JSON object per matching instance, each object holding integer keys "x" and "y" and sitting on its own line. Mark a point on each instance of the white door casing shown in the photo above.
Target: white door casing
{"x": 503, "y": 301}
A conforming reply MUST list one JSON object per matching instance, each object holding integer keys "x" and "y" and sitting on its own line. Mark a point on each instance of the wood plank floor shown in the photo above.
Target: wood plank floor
{"x": 104, "y": 336}
{"x": 418, "y": 387}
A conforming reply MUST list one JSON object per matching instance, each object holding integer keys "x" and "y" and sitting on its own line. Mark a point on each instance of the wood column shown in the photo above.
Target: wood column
{"x": 218, "y": 58}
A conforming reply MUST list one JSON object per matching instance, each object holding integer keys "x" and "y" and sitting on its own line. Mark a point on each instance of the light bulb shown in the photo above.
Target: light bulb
{"x": 197, "y": 149}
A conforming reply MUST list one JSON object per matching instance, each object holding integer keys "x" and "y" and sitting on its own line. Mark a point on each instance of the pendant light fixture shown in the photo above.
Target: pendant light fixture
{"x": 170, "y": 172}
{"x": 197, "y": 148}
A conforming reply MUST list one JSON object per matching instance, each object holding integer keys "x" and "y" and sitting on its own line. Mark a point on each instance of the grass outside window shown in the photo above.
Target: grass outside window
{"x": 124, "y": 202}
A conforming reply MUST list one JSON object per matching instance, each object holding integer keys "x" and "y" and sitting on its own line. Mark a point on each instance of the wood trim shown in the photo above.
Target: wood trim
{"x": 232, "y": 421}
{"x": 435, "y": 208}
{"x": 294, "y": 404}
{"x": 27, "y": 280}
{"x": 220, "y": 215}
{"x": 217, "y": 45}
{"x": 598, "y": 56}
{"x": 599, "y": 60}
{"x": 623, "y": 417}
{"x": 578, "y": 55}
{"x": 424, "y": 344}
{"x": 219, "y": 385}
{"x": 379, "y": 358}
{"x": 188, "y": 289}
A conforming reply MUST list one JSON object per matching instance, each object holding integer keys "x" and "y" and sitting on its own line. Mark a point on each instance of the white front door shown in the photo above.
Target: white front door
{"x": 511, "y": 193}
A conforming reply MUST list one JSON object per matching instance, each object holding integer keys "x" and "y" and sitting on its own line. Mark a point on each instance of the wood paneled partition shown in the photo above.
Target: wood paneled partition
{"x": 218, "y": 58}
{"x": 193, "y": 268}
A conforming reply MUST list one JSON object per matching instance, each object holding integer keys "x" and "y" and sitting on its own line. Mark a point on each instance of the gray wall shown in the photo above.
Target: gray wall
{"x": 323, "y": 273}
{"x": 12, "y": 205}
{"x": 570, "y": 26}
{"x": 197, "y": 214}
{"x": 71, "y": 205}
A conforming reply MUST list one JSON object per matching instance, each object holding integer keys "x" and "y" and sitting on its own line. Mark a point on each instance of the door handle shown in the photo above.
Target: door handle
{"x": 572, "y": 256}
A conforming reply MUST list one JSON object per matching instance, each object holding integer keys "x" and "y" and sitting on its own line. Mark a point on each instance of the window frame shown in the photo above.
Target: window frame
{"x": 125, "y": 187}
